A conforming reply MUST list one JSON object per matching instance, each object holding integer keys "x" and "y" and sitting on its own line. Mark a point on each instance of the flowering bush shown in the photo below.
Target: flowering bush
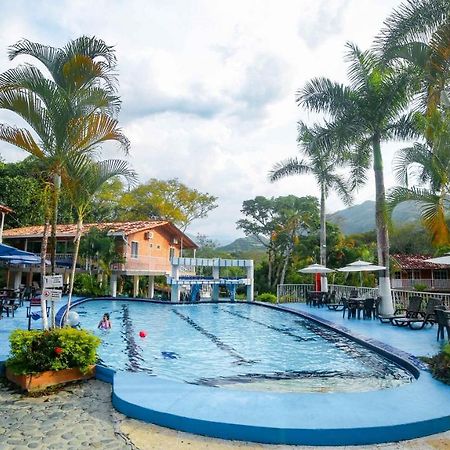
{"x": 62, "y": 348}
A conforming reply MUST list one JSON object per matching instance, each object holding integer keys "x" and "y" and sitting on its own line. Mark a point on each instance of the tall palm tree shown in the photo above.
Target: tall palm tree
{"x": 83, "y": 179}
{"x": 418, "y": 33}
{"x": 81, "y": 84}
{"x": 371, "y": 109}
{"x": 430, "y": 169}
{"x": 320, "y": 161}
{"x": 70, "y": 111}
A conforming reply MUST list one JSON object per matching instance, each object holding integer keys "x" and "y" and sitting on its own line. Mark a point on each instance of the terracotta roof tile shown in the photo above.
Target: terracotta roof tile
{"x": 5, "y": 209}
{"x": 69, "y": 230}
{"x": 411, "y": 262}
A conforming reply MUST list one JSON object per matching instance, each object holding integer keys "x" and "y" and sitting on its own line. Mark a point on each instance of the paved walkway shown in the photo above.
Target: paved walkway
{"x": 81, "y": 417}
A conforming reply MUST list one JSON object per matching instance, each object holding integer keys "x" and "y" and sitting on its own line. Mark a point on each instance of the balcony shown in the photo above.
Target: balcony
{"x": 408, "y": 284}
{"x": 144, "y": 263}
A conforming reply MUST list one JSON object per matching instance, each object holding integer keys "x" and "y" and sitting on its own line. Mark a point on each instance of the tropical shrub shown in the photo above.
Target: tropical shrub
{"x": 267, "y": 297}
{"x": 440, "y": 365}
{"x": 420, "y": 287}
{"x": 61, "y": 348}
{"x": 86, "y": 284}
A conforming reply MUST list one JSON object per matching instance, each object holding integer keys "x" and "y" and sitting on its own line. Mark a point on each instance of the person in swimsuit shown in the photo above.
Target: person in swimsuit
{"x": 105, "y": 323}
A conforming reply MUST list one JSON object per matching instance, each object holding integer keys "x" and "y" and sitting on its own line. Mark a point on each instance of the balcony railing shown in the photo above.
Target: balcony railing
{"x": 150, "y": 263}
{"x": 428, "y": 282}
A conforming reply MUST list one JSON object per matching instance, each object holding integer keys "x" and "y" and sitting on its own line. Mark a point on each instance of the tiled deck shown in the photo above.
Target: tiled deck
{"x": 417, "y": 342}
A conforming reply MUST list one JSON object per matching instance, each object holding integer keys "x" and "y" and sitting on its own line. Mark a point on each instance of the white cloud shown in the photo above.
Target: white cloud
{"x": 208, "y": 88}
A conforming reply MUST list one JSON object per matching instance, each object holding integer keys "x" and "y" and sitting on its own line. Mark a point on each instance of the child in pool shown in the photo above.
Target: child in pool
{"x": 105, "y": 323}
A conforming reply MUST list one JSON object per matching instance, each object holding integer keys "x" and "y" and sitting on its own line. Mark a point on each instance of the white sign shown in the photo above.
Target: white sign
{"x": 53, "y": 281}
{"x": 51, "y": 295}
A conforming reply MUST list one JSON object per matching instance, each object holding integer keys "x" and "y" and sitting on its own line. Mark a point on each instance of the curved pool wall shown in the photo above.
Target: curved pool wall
{"x": 407, "y": 412}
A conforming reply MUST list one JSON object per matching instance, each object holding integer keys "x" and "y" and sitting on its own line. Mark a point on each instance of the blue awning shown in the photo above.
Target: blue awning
{"x": 16, "y": 256}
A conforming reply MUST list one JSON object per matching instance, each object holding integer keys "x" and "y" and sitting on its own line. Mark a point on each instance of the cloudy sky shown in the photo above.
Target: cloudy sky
{"x": 208, "y": 86}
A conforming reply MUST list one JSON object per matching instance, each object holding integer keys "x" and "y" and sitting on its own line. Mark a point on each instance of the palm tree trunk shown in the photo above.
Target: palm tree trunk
{"x": 74, "y": 265}
{"x": 384, "y": 282}
{"x": 43, "y": 270}
{"x": 269, "y": 273}
{"x": 56, "y": 191}
{"x": 323, "y": 239}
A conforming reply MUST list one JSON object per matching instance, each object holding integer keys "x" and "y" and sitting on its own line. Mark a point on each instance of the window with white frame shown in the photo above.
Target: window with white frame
{"x": 134, "y": 249}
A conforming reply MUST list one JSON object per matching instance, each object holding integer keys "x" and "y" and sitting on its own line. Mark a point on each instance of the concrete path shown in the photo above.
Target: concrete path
{"x": 81, "y": 417}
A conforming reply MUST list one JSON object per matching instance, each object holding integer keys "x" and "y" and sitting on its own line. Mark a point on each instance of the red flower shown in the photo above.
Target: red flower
{"x": 58, "y": 350}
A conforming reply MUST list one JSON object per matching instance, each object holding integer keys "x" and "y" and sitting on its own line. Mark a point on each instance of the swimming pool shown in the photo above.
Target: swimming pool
{"x": 237, "y": 346}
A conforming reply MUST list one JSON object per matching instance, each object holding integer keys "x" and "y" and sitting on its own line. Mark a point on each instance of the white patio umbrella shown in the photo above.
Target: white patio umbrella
{"x": 361, "y": 266}
{"x": 316, "y": 268}
{"x": 440, "y": 259}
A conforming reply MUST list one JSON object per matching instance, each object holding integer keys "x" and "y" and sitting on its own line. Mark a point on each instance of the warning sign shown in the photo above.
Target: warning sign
{"x": 51, "y": 295}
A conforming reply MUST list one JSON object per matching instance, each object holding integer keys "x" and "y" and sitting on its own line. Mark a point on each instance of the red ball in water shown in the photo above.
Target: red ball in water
{"x": 142, "y": 334}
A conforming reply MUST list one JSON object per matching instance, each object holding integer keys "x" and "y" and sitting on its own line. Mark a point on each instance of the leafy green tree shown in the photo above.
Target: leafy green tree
{"x": 69, "y": 109}
{"x": 321, "y": 162}
{"x": 370, "y": 110}
{"x": 283, "y": 221}
{"x": 260, "y": 223}
{"x": 105, "y": 204}
{"x": 169, "y": 200}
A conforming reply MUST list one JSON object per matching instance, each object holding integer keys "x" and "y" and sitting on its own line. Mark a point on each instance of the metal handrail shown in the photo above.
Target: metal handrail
{"x": 288, "y": 293}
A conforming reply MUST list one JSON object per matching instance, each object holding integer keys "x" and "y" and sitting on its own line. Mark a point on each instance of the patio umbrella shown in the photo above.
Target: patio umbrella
{"x": 440, "y": 259}
{"x": 361, "y": 266}
{"x": 317, "y": 269}
{"x": 8, "y": 254}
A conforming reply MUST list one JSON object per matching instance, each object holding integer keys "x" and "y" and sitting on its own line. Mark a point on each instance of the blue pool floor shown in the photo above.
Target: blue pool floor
{"x": 417, "y": 342}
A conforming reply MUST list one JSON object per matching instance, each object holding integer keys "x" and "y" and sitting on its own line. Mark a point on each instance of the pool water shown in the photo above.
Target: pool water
{"x": 237, "y": 346}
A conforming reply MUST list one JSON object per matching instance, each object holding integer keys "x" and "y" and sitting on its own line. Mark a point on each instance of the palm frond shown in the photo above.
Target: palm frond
{"x": 431, "y": 208}
{"x": 413, "y": 20}
{"x": 46, "y": 54}
{"x": 342, "y": 188}
{"x": 21, "y": 138}
{"x": 31, "y": 109}
{"x": 361, "y": 66}
{"x": 86, "y": 133}
{"x": 289, "y": 167}
{"x": 324, "y": 95}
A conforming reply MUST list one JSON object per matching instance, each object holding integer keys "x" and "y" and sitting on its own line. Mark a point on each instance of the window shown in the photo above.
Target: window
{"x": 134, "y": 249}
{"x": 397, "y": 275}
{"x": 440, "y": 274}
{"x": 158, "y": 246}
{"x": 171, "y": 252}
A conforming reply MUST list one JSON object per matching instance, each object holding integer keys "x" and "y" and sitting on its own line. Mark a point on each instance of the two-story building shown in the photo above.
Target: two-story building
{"x": 145, "y": 248}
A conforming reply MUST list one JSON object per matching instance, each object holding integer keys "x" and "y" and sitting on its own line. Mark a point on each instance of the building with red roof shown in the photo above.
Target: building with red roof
{"x": 145, "y": 248}
{"x": 408, "y": 271}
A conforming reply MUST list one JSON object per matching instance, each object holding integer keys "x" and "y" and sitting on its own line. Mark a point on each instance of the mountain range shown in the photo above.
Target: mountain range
{"x": 354, "y": 219}
{"x": 361, "y": 218}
